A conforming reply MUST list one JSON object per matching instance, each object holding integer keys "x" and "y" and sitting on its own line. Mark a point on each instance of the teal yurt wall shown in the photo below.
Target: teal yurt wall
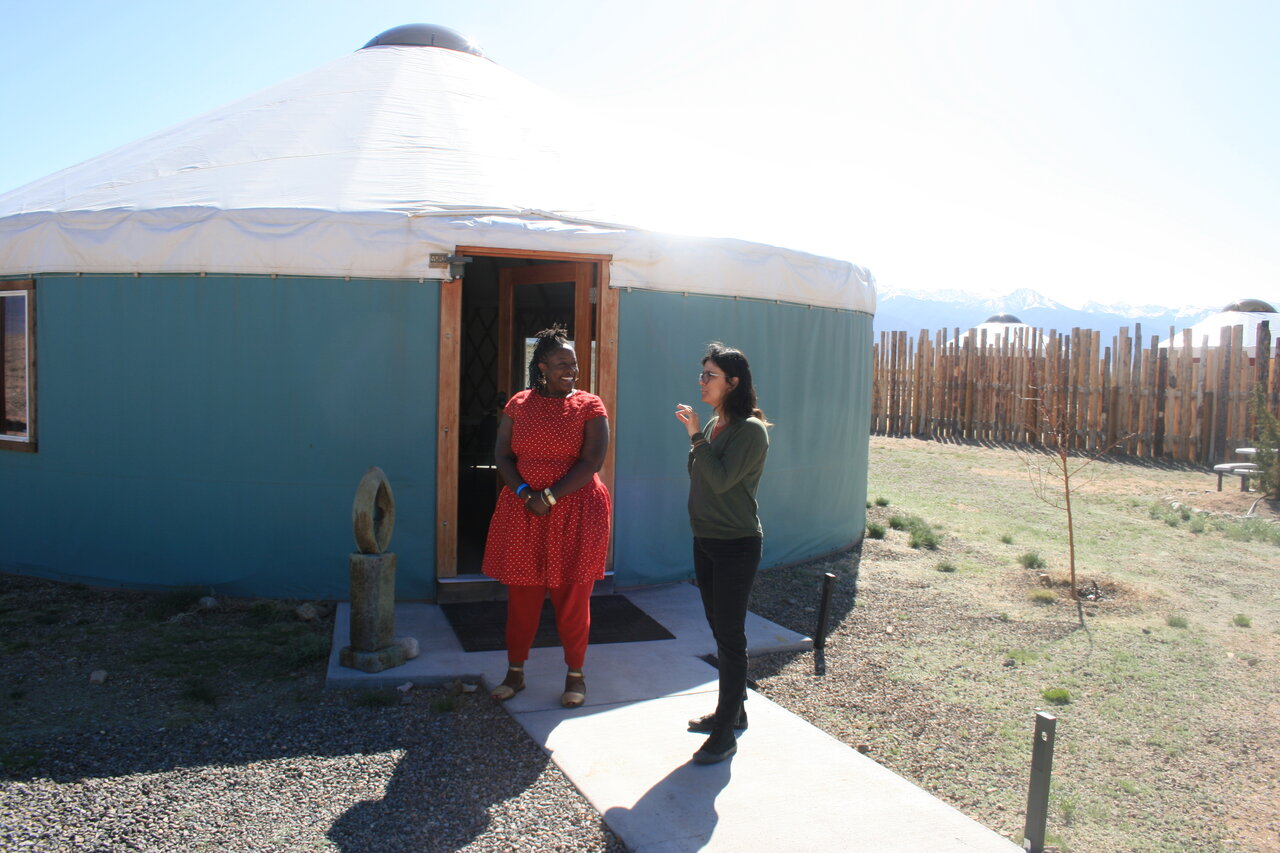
{"x": 812, "y": 369}
{"x": 211, "y": 431}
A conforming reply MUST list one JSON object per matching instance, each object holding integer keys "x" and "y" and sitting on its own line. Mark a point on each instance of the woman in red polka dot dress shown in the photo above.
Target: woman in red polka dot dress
{"x": 550, "y": 530}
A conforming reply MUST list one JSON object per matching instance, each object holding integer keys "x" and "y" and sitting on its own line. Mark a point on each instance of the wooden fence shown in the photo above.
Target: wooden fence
{"x": 1185, "y": 403}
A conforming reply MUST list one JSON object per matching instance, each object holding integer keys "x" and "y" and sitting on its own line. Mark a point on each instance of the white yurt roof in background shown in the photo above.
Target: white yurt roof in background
{"x": 1248, "y": 313}
{"x": 998, "y": 326}
{"x": 366, "y": 166}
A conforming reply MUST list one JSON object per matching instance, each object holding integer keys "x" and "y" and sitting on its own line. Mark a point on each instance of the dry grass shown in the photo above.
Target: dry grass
{"x": 1168, "y": 742}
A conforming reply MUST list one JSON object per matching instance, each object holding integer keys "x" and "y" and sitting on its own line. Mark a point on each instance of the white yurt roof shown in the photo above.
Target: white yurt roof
{"x": 997, "y": 327}
{"x": 1248, "y": 313}
{"x": 366, "y": 166}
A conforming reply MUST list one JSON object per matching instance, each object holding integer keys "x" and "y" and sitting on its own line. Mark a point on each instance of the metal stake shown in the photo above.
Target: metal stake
{"x": 828, "y": 581}
{"x": 1038, "y": 792}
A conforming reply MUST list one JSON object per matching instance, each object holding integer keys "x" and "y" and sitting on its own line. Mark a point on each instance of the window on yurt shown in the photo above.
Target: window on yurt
{"x": 17, "y": 363}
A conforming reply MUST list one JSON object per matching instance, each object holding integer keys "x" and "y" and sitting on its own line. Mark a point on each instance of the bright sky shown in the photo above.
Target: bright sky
{"x": 1087, "y": 149}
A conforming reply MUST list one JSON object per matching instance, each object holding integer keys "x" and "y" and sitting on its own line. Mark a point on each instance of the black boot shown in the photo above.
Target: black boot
{"x": 718, "y": 747}
{"x": 707, "y": 724}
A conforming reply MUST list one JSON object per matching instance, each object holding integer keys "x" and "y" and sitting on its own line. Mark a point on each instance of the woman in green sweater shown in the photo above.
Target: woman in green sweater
{"x": 725, "y": 463}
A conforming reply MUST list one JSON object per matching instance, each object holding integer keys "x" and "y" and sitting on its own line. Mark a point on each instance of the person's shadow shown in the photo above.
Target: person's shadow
{"x": 680, "y": 807}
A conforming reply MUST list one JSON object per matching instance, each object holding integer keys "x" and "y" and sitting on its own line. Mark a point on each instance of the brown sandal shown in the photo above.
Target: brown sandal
{"x": 511, "y": 685}
{"x": 575, "y": 690}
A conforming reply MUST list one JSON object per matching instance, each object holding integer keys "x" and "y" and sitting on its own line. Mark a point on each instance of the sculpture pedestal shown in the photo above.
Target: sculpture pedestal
{"x": 373, "y": 614}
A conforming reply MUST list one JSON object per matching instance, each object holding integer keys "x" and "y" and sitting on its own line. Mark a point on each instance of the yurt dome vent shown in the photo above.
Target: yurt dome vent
{"x": 425, "y": 35}
{"x": 1003, "y": 318}
{"x": 1250, "y": 305}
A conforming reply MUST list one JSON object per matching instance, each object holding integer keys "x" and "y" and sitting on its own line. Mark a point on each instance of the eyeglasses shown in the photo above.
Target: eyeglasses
{"x": 706, "y": 376}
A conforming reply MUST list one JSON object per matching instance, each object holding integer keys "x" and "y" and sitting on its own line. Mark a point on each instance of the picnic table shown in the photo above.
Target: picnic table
{"x": 1243, "y": 470}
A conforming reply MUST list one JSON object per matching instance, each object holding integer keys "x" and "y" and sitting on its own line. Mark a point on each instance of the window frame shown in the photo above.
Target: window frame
{"x": 27, "y": 444}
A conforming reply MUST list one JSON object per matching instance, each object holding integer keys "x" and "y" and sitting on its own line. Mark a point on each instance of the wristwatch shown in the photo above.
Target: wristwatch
{"x": 550, "y": 498}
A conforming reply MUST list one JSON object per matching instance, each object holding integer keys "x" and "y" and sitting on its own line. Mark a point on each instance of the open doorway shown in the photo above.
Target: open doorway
{"x": 502, "y": 301}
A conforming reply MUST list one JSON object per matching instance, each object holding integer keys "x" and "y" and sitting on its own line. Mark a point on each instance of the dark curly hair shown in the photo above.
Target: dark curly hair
{"x": 549, "y": 340}
{"x": 740, "y": 403}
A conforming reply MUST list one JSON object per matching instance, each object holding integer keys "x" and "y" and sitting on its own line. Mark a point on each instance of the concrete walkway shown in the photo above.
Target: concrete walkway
{"x": 791, "y": 787}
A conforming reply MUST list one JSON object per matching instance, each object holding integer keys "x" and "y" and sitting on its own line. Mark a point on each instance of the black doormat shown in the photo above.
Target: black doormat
{"x": 481, "y": 626}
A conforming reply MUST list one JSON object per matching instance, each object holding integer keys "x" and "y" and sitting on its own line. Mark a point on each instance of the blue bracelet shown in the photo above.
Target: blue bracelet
{"x": 523, "y": 486}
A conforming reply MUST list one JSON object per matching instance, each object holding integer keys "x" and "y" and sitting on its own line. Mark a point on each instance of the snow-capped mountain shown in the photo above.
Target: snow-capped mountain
{"x": 911, "y": 311}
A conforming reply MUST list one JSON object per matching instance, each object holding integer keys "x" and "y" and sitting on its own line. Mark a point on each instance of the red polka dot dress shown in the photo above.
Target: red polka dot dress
{"x": 569, "y": 544}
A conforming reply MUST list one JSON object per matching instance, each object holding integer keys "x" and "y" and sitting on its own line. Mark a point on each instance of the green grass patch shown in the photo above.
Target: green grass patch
{"x": 920, "y": 534}
{"x": 946, "y": 566}
{"x": 1176, "y": 621}
{"x": 1235, "y": 529}
{"x": 1006, "y": 539}
{"x": 1023, "y": 656}
{"x": 1241, "y": 621}
{"x": 923, "y": 536}
{"x": 444, "y": 704}
{"x": 1031, "y": 560}
{"x": 1057, "y": 696}
{"x": 882, "y": 501}
{"x": 875, "y": 531}
{"x": 1043, "y": 596}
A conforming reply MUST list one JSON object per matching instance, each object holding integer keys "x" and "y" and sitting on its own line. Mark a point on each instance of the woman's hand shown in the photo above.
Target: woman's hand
{"x": 536, "y": 504}
{"x": 687, "y": 416}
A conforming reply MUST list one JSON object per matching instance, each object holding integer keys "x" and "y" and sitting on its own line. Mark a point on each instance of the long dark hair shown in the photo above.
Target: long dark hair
{"x": 740, "y": 402}
{"x": 549, "y": 340}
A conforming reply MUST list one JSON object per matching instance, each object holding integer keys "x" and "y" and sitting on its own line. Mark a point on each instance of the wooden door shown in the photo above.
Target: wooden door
{"x": 514, "y": 326}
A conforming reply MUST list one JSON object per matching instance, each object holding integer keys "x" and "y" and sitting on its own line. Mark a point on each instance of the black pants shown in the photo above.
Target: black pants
{"x": 725, "y": 570}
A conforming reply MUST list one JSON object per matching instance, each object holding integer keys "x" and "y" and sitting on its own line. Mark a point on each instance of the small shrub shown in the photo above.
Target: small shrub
{"x": 1006, "y": 539}
{"x": 923, "y": 537}
{"x": 1197, "y": 525}
{"x": 868, "y": 504}
{"x": 1176, "y": 621}
{"x": 1057, "y": 696}
{"x": 1043, "y": 596}
{"x": 1241, "y": 621}
{"x": 1003, "y": 617}
{"x": 1031, "y": 560}
{"x": 882, "y": 501}
{"x": 444, "y": 704}
{"x": 946, "y": 566}
{"x": 898, "y": 522}
{"x": 875, "y": 531}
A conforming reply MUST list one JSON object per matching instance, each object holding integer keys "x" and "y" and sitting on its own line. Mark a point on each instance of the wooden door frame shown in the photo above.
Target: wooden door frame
{"x": 449, "y": 384}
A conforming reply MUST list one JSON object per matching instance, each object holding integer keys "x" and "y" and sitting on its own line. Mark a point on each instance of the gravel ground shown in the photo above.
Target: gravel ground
{"x": 245, "y": 761}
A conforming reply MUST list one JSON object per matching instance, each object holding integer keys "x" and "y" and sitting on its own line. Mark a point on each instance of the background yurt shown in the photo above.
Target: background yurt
{"x": 1248, "y": 314}
{"x": 211, "y": 333}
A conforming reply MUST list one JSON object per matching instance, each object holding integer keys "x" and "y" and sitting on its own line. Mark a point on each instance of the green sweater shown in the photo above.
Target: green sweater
{"x": 723, "y": 477}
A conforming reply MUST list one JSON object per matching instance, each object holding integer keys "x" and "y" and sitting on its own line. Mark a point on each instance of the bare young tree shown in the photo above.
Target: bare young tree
{"x": 1054, "y": 472}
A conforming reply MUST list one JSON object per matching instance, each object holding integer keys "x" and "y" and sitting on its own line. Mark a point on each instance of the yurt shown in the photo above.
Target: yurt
{"x": 1247, "y": 313}
{"x": 210, "y": 334}
{"x": 997, "y": 328}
